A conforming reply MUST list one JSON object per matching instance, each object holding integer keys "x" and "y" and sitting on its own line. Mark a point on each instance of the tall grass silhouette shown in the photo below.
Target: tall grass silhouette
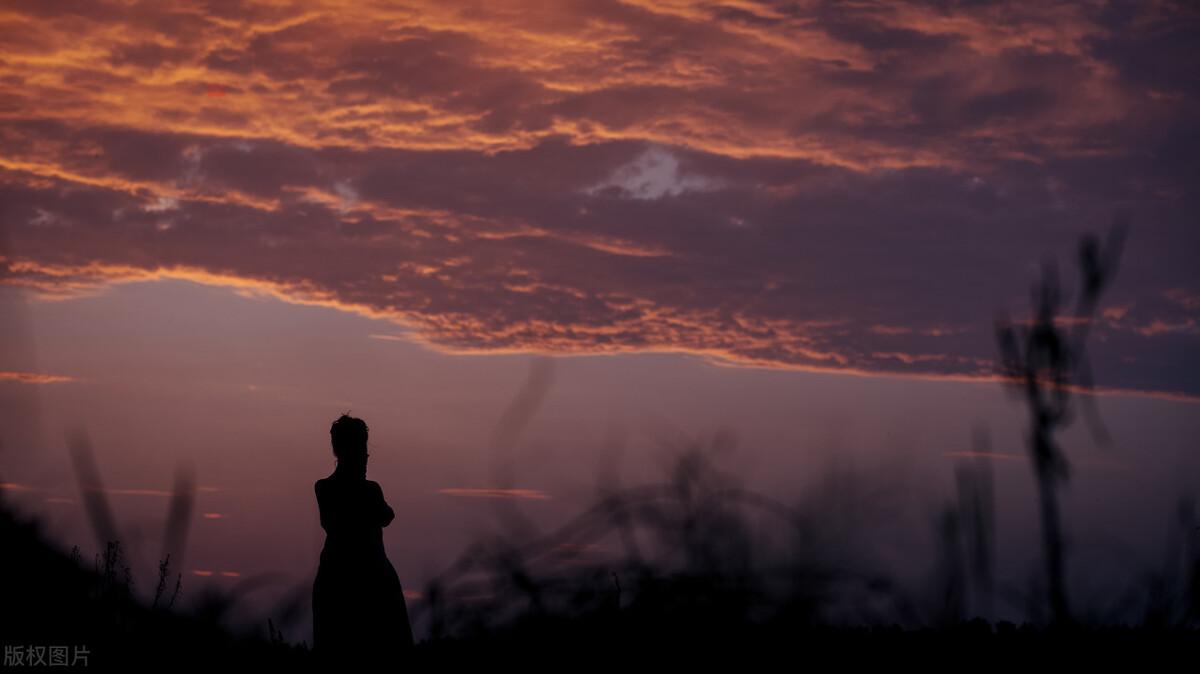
{"x": 1044, "y": 361}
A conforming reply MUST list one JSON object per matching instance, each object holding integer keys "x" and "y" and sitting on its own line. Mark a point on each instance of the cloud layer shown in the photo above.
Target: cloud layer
{"x": 849, "y": 186}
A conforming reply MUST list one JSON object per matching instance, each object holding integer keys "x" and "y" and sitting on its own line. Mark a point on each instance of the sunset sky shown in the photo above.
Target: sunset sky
{"x": 222, "y": 224}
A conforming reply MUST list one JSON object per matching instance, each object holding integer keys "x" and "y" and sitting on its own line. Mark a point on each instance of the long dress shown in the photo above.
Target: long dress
{"x": 359, "y": 614}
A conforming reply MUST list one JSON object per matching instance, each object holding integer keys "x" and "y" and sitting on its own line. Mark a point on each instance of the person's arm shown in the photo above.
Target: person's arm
{"x": 386, "y": 514}
{"x": 321, "y": 506}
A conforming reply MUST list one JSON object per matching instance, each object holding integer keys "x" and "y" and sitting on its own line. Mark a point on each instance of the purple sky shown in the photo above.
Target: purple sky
{"x": 225, "y": 223}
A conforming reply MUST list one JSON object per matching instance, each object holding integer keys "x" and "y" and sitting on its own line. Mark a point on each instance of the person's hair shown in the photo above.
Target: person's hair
{"x": 347, "y": 432}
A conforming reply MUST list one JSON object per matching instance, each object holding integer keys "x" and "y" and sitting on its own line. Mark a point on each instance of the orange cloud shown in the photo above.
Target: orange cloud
{"x": 756, "y": 185}
{"x": 35, "y": 378}
{"x": 313, "y": 75}
{"x": 16, "y": 486}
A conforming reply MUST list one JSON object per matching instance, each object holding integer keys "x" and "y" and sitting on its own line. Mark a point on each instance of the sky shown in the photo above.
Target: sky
{"x": 795, "y": 224}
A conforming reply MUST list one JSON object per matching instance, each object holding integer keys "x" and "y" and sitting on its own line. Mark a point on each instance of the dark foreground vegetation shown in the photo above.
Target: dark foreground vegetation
{"x": 678, "y": 572}
{"x": 576, "y": 620}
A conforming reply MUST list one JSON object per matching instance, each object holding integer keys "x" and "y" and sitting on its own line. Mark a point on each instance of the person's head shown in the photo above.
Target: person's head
{"x": 348, "y": 436}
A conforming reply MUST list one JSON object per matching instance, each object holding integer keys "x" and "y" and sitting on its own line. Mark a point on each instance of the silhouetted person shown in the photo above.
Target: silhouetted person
{"x": 359, "y": 613}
